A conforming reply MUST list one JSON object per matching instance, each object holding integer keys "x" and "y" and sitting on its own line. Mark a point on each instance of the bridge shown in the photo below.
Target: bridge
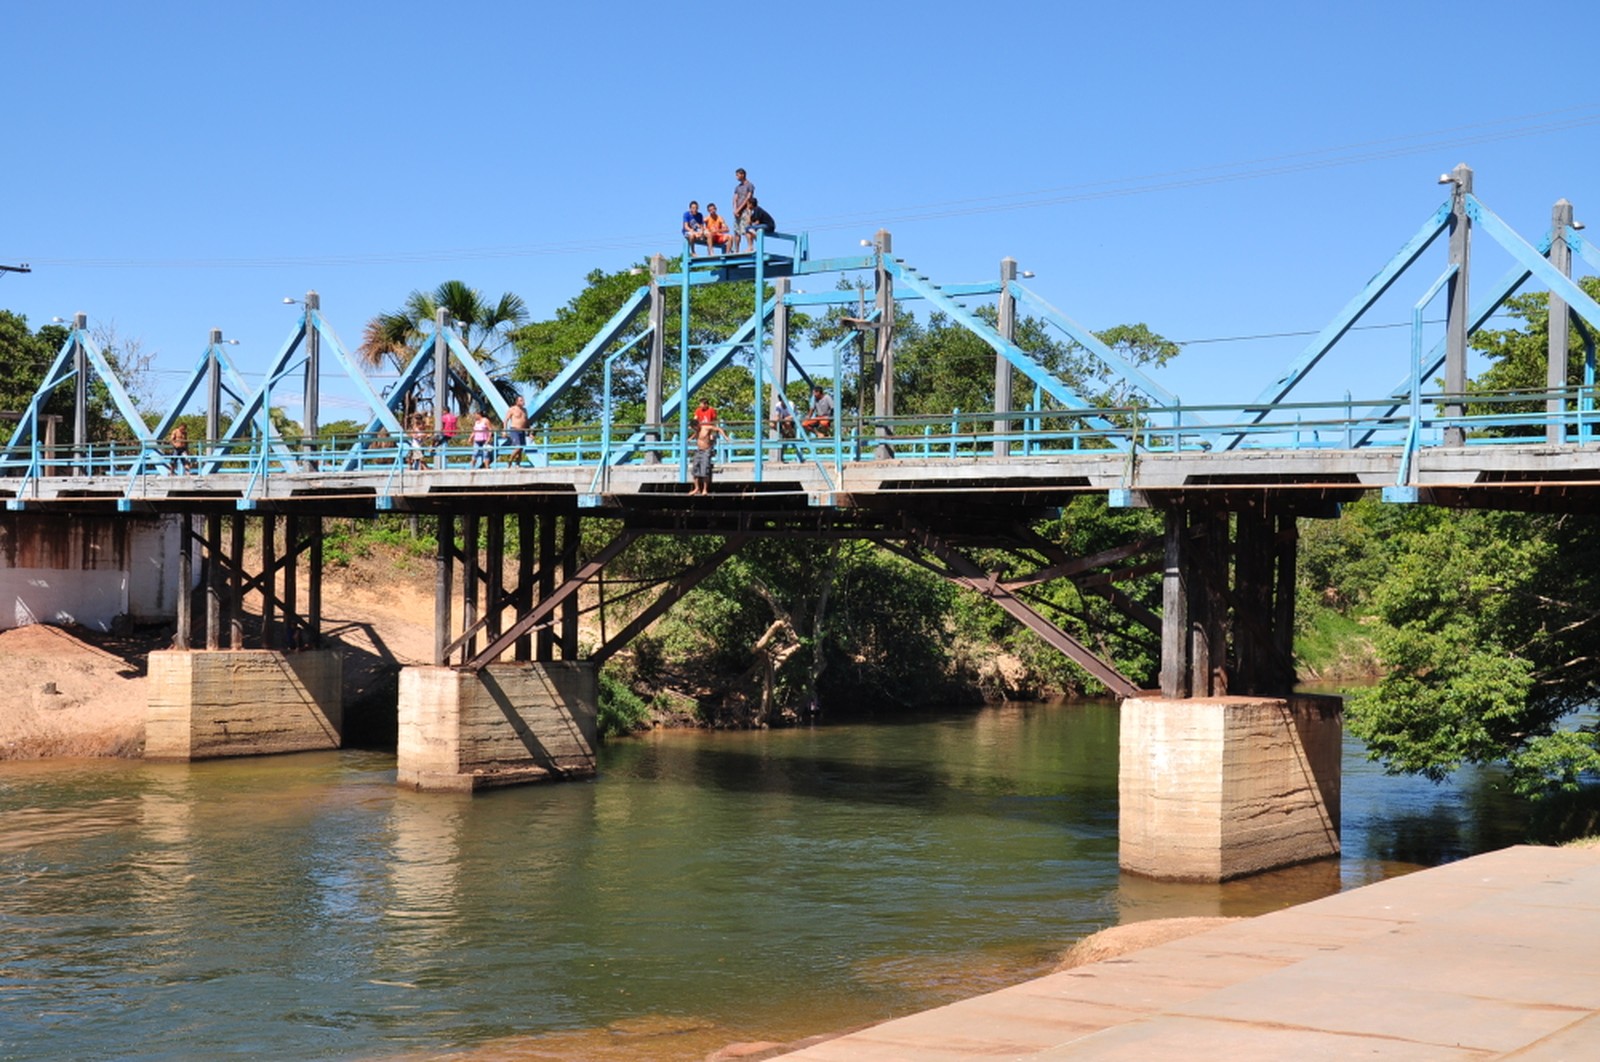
{"x": 1231, "y": 481}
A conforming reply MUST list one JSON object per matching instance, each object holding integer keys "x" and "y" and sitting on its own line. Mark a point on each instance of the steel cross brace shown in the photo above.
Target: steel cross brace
{"x": 668, "y": 597}
{"x": 1346, "y": 319}
{"x": 720, "y": 356}
{"x": 964, "y": 571}
{"x": 568, "y": 587}
{"x": 61, "y": 370}
{"x": 1018, "y": 357}
{"x": 1533, "y": 261}
{"x": 1097, "y": 347}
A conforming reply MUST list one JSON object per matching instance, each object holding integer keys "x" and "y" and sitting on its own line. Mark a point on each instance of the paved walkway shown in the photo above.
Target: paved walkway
{"x": 1492, "y": 957}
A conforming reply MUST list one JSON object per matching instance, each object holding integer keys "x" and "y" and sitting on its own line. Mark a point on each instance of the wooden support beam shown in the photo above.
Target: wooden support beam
{"x": 269, "y": 577}
{"x": 569, "y": 567}
{"x": 547, "y": 581}
{"x": 291, "y": 581}
{"x": 442, "y": 564}
{"x": 184, "y": 638}
{"x": 494, "y": 573}
{"x": 469, "y": 582}
{"x": 1175, "y": 642}
{"x": 965, "y": 571}
{"x": 527, "y": 542}
{"x": 213, "y": 582}
{"x": 236, "y": 581}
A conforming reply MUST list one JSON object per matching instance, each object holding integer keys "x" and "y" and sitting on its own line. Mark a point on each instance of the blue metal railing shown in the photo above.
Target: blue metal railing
{"x": 1417, "y": 423}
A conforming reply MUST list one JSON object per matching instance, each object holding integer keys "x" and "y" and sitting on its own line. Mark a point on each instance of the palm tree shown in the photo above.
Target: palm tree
{"x": 484, "y": 327}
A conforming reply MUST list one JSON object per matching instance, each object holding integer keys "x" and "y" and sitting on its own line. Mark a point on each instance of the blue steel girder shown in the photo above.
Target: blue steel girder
{"x": 57, "y": 374}
{"x": 245, "y": 418}
{"x": 1524, "y": 252}
{"x": 1020, "y": 359}
{"x": 720, "y": 355}
{"x": 1346, "y": 319}
{"x": 62, "y": 370}
{"x": 1503, "y": 290}
{"x": 418, "y": 369}
{"x": 1581, "y": 246}
{"x": 1096, "y": 347}
{"x": 593, "y": 349}
{"x": 233, "y": 386}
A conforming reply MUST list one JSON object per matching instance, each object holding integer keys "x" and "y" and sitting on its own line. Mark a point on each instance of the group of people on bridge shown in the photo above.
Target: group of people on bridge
{"x": 710, "y": 230}
{"x": 421, "y": 437}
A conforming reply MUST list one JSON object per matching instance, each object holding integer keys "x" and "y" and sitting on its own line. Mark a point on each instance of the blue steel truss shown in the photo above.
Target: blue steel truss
{"x": 1156, "y": 421}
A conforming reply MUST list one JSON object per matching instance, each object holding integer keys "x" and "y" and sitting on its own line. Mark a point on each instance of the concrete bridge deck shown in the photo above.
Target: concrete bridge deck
{"x": 1491, "y": 957}
{"x": 1522, "y": 475}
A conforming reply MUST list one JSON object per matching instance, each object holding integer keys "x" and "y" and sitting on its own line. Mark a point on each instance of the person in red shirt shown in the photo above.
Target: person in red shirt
{"x": 705, "y": 413}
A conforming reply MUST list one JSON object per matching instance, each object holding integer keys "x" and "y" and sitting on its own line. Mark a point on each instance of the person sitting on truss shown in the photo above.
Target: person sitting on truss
{"x": 694, "y": 228}
{"x": 716, "y": 229}
{"x": 760, "y": 221}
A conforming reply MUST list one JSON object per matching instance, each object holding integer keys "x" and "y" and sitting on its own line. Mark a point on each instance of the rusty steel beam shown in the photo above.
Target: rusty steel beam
{"x": 668, "y": 597}
{"x": 965, "y": 571}
{"x": 553, "y": 600}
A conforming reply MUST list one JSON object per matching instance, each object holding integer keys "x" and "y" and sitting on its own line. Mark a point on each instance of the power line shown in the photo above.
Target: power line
{"x": 1173, "y": 180}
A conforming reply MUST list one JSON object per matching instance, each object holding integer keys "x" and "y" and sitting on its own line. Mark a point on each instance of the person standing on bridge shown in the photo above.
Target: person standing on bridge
{"x": 482, "y": 441}
{"x": 448, "y": 425}
{"x": 701, "y": 466}
{"x": 180, "y": 448}
{"x": 743, "y": 194}
{"x": 517, "y": 429}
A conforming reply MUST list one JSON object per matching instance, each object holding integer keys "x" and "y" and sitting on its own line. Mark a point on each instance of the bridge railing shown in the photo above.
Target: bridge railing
{"x": 1493, "y": 418}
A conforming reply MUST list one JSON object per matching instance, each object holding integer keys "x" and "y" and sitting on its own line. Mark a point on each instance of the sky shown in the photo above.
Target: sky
{"x": 1214, "y": 171}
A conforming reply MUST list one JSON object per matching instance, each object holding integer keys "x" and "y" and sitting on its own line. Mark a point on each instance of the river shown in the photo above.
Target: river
{"x": 709, "y": 887}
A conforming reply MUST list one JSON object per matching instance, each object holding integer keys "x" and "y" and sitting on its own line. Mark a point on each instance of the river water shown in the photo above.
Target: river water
{"x": 709, "y": 887}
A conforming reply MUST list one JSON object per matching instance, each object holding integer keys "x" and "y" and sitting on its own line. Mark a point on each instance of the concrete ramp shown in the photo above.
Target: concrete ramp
{"x": 1491, "y": 957}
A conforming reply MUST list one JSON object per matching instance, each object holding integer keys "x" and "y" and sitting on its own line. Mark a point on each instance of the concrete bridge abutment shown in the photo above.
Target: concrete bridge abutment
{"x": 246, "y": 702}
{"x": 1214, "y": 788}
{"x": 506, "y": 724}
{"x": 1225, "y": 771}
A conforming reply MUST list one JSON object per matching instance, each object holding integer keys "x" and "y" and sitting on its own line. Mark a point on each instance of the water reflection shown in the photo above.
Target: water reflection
{"x": 709, "y": 887}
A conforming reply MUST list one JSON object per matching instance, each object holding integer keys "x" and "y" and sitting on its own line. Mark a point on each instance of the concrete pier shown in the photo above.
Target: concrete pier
{"x": 1491, "y": 957}
{"x": 247, "y": 702}
{"x": 1213, "y": 788}
{"x": 507, "y": 724}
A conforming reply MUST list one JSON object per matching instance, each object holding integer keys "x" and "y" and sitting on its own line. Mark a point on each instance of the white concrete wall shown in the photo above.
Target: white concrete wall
{"x": 87, "y": 570}
{"x": 153, "y": 569}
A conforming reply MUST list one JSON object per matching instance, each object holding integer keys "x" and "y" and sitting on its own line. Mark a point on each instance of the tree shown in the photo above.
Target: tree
{"x": 1488, "y": 620}
{"x": 485, "y": 328}
{"x": 26, "y": 356}
{"x": 1519, "y": 355}
{"x": 716, "y": 312}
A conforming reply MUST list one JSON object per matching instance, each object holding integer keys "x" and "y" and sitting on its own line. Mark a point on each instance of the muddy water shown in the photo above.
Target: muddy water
{"x": 708, "y": 888}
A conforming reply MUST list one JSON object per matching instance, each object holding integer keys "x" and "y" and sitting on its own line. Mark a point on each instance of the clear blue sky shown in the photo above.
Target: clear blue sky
{"x": 1212, "y": 170}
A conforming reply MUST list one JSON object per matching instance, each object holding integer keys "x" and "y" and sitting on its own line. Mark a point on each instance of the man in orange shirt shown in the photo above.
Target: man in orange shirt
{"x": 716, "y": 229}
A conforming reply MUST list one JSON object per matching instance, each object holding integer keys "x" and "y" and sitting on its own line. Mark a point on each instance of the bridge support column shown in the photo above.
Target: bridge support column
{"x": 249, "y": 702}
{"x": 1214, "y": 788}
{"x": 508, "y": 724}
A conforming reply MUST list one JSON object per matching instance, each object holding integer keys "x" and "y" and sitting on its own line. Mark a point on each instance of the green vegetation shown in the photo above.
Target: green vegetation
{"x": 1485, "y": 622}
